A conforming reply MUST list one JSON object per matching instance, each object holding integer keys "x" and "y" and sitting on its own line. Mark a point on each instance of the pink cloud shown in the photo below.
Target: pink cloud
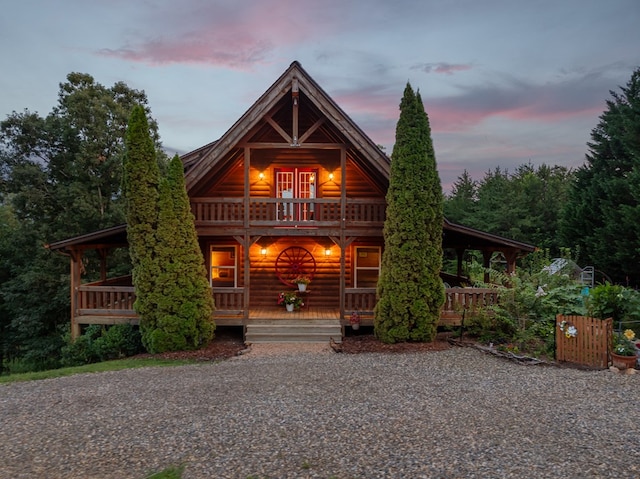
{"x": 222, "y": 35}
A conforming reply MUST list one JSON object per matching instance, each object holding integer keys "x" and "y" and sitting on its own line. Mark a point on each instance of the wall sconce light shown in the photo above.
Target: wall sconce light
{"x": 327, "y": 251}
{"x": 261, "y": 175}
{"x": 330, "y": 176}
{"x": 263, "y": 251}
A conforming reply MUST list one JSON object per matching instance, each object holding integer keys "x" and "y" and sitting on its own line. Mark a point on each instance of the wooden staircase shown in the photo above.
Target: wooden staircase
{"x": 293, "y": 330}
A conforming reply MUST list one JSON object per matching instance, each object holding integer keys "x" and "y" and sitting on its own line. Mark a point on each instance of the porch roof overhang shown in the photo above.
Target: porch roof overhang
{"x": 113, "y": 237}
{"x": 456, "y": 236}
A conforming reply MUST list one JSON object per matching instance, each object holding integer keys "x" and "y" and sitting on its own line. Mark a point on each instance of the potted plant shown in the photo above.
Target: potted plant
{"x": 623, "y": 355}
{"x": 302, "y": 282}
{"x": 290, "y": 300}
{"x": 354, "y": 320}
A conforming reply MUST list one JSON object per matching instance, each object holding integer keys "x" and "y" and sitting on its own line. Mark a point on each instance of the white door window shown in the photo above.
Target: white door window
{"x": 295, "y": 184}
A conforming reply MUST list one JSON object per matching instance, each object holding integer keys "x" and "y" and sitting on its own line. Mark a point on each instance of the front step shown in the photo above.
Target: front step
{"x": 292, "y": 330}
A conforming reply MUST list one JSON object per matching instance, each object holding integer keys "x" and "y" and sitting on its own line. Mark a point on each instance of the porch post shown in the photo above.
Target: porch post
{"x": 460, "y": 255}
{"x": 510, "y": 256}
{"x": 246, "y": 243}
{"x": 343, "y": 214}
{"x": 486, "y": 263}
{"x": 76, "y": 262}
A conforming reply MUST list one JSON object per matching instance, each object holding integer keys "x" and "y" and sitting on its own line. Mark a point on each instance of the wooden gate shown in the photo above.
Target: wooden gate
{"x": 583, "y": 340}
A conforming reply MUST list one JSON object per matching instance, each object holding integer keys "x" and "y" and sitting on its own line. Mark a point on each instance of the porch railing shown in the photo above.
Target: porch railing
{"x": 228, "y": 301}
{"x": 103, "y": 300}
{"x": 287, "y": 211}
{"x": 362, "y": 300}
{"x": 468, "y": 301}
{"x": 99, "y": 299}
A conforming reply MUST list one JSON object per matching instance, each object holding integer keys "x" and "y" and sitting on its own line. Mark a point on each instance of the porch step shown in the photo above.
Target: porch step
{"x": 291, "y": 330}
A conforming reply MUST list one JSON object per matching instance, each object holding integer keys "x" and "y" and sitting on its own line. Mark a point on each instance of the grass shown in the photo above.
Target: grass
{"x": 169, "y": 473}
{"x": 115, "y": 365}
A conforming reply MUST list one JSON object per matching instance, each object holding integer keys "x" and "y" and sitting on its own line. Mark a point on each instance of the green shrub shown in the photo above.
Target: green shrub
{"x": 102, "y": 343}
{"x": 117, "y": 342}
{"x": 614, "y": 301}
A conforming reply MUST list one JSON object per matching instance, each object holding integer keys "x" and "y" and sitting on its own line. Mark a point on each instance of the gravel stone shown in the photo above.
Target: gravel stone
{"x": 307, "y": 412}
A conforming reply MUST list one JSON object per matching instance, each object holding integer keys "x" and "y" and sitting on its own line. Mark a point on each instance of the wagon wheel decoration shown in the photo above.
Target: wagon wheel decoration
{"x": 293, "y": 262}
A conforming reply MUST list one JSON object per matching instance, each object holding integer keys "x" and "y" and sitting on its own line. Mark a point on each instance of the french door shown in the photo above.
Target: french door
{"x": 295, "y": 183}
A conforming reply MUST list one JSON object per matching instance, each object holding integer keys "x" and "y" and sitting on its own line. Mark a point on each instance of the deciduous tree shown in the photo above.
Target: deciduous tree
{"x": 61, "y": 176}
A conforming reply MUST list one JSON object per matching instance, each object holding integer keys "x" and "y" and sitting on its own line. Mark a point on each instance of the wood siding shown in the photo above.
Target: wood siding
{"x": 324, "y": 290}
{"x": 231, "y": 183}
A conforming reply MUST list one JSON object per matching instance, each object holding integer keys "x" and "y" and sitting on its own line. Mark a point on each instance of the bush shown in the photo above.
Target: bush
{"x": 614, "y": 301}
{"x": 525, "y": 315}
{"x": 102, "y": 343}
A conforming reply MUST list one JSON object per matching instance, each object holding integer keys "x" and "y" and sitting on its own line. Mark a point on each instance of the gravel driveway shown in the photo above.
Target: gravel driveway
{"x": 449, "y": 414}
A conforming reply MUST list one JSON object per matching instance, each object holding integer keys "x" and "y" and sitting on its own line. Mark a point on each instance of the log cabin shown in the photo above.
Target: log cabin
{"x": 294, "y": 188}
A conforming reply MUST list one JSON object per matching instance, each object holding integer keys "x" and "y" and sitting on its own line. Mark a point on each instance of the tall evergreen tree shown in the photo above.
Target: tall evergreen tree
{"x": 141, "y": 179}
{"x": 461, "y": 203}
{"x": 602, "y": 214}
{"x": 183, "y": 296}
{"x": 410, "y": 291}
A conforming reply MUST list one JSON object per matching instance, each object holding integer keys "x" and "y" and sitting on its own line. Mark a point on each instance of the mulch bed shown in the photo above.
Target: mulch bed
{"x": 228, "y": 343}
{"x": 367, "y": 343}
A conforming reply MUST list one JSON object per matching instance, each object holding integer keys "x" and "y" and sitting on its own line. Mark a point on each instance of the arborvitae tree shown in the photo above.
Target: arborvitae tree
{"x": 141, "y": 177}
{"x": 410, "y": 291}
{"x": 183, "y": 296}
{"x": 602, "y": 213}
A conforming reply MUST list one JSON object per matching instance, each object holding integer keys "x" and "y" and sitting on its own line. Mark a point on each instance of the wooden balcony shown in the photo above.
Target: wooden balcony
{"x": 295, "y": 212}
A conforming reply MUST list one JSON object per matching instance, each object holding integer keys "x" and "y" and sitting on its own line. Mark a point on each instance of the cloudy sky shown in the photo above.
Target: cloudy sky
{"x": 505, "y": 82}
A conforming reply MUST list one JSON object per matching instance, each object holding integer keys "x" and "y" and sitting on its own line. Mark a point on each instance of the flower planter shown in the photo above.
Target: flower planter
{"x": 289, "y": 307}
{"x": 302, "y": 287}
{"x": 355, "y": 326}
{"x": 623, "y": 362}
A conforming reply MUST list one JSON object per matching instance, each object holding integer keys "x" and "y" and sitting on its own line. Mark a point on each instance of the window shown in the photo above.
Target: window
{"x": 366, "y": 266}
{"x": 295, "y": 183}
{"x": 223, "y": 266}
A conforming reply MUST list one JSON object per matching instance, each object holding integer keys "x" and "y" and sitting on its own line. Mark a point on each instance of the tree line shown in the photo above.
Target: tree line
{"x": 591, "y": 213}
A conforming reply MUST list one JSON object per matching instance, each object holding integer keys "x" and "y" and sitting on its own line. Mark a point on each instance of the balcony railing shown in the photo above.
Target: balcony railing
{"x": 288, "y": 211}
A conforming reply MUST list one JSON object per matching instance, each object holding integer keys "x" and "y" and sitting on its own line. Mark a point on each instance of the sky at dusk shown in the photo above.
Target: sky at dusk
{"x": 504, "y": 82}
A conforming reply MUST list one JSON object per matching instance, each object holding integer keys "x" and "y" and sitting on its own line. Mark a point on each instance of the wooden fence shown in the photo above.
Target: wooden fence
{"x": 590, "y": 344}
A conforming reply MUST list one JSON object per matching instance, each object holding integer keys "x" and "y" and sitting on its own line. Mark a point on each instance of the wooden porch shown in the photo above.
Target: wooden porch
{"x": 112, "y": 303}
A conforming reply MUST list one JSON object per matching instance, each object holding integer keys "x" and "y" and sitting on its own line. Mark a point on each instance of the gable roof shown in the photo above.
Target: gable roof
{"x": 200, "y": 162}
